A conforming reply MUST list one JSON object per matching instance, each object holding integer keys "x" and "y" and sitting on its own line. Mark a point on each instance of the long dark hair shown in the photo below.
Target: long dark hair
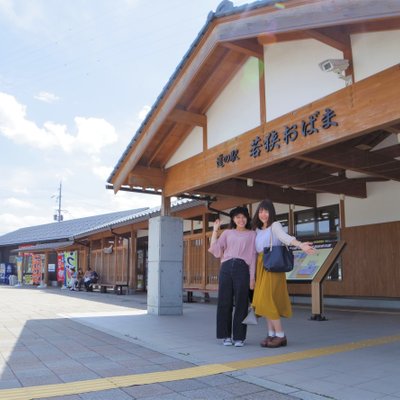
{"x": 236, "y": 211}
{"x": 265, "y": 205}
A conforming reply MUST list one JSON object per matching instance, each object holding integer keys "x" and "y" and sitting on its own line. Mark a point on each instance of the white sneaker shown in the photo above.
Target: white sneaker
{"x": 227, "y": 342}
{"x": 239, "y": 343}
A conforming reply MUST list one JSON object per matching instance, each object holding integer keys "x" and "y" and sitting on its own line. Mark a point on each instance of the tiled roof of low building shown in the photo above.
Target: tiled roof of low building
{"x": 61, "y": 230}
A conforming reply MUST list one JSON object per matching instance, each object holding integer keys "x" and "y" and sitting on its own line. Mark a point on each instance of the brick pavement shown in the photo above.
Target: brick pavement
{"x": 69, "y": 345}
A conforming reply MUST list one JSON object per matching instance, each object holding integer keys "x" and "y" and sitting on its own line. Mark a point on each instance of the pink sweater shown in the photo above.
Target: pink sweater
{"x": 236, "y": 244}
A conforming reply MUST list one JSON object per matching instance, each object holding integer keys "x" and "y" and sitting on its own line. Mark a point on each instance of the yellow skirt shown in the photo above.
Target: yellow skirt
{"x": 271, "y": 297}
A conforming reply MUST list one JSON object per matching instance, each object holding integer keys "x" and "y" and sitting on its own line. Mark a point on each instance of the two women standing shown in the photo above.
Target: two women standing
{"x": 237, "y": 249}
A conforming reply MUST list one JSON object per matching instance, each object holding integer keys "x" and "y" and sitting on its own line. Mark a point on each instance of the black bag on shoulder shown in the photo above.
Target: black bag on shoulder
{"x": 278, "y": 258}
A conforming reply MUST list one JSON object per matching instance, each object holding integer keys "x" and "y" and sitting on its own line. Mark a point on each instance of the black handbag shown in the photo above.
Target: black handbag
{"x": 278, "y": 258}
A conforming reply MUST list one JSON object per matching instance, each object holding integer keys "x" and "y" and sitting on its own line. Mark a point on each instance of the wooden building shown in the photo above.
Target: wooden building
{"x": 295, "y": 101}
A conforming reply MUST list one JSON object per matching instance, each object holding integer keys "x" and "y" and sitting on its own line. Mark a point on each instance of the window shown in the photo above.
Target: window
{"x": 321, "y": 223}
{"x": 284, "y": 220}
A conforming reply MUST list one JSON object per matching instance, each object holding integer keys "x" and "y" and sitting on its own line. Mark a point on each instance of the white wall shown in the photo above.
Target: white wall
{"x": 374, "y": 52}
{"x": 327, "y": 199}
{"x": 381, "y": 205}
{"x": 293, "y": 77}
{"x": 237, "y": 109}
{"x": 192, "y": 145}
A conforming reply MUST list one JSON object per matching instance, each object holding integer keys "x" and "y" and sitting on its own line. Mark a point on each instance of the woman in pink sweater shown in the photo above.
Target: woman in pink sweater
{"x": 236, "y": 248}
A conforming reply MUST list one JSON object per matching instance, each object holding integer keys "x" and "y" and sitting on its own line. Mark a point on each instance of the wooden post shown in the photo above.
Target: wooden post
{"x": 205, "y": 250}
{"x": 165, "y": 205}
{"x": 132, "y": 271}
{"x": 291, "y": 220}
{"x": 342, "y": 214}
{"x": 46, "y": 268}
{"x": 263, "y": 107}
{"x": 316, "y": 284}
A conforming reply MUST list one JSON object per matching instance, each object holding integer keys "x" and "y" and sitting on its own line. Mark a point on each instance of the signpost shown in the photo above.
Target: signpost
{"x": 314, "y": 269}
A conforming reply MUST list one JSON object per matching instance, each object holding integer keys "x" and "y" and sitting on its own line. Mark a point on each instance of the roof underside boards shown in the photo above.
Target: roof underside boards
{"x": 52, "y": 246}
{"x": 229, "y": 37}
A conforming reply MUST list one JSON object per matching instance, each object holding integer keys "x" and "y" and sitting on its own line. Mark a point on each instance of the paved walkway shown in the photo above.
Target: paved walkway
{"x": 77, "y": 345}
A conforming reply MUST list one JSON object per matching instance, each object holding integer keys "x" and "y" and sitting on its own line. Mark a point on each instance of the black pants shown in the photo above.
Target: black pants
{"x": 233, "y": 289}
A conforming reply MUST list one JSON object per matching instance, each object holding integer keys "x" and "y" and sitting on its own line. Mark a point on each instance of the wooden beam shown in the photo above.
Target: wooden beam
{"x": 354, "y": 159}
{"x": 297, "y": 18}
{"x": 249, "y": 47}
{"x": 330, "y": 36}
{"x": 217, "y": 81}
{"x": 270, "y": 38}
{"x": 359, "y": 108}
{"x": 188, "y": 118}
{"x": 333, "y": 12}
{"x": 261, "y": 89}
{"x": 389, "y": 152}
{"x": 260, "y": 191}
{"x": 147, "y": 177}
{"x": 309, "y": 179}
{"x": 165, "y": 206}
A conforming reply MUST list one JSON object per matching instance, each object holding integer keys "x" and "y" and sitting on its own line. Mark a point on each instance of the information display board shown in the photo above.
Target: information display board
{"x": 307, "y": 266}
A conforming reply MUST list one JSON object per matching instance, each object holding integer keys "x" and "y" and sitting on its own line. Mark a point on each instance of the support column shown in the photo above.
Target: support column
{"x": 164, "y": 291}
{"x": 132, "y": 276}
{"x": 46, "y": 268}
{"x": 291, "y": 220}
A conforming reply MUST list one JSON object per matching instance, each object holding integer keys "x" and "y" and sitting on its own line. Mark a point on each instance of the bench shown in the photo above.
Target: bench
{"x": 117, "y": 288}
{"x": 189, "y": 293}
{"x": 102, "y": 287}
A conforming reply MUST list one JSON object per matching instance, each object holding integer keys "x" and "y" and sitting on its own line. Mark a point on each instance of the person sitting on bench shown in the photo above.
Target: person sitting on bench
{"x": 89, "y": 279}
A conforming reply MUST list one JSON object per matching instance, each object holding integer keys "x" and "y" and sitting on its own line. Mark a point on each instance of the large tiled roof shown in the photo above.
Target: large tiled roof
{"x": 58, "y": 231}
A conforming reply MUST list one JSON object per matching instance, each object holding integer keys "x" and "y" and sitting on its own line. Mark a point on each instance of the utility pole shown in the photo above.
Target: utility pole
{"x": 59, "y": 217}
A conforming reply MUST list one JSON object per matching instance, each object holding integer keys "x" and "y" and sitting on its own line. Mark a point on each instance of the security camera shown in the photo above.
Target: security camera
{"x": 334, "y": 65}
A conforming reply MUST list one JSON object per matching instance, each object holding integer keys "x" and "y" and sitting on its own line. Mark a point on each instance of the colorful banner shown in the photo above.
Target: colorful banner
{"x": 70, "y": 265}
{"x": 19, "y": 260}
{"x": 60, "y": 267}
{"x": 36, "y": 268}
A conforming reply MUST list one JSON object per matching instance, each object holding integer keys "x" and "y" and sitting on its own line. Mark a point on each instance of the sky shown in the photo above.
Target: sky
{"x": 77, "y": 78}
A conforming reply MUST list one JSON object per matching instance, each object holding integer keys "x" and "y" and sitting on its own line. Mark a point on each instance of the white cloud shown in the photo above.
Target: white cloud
{"x": 143, "y": 112}
{"x": 14, "y": 202}
{"x": 93, "y": 134}
{"x": 20, "y": 190}
{"x": 102, "y": 171}
{"x": 25, "y": 17}
{"x": 11, "y": 222}
{"x": 126, "y": 200}
{"x": 47, "y": 97}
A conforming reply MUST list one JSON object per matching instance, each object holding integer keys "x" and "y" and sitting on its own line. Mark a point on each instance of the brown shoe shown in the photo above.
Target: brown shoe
{"x": 277, "y": 342}
{"x": 264, "y": 342}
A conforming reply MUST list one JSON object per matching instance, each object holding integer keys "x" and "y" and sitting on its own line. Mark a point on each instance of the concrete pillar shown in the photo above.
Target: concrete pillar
{"x": 165, "y": 265}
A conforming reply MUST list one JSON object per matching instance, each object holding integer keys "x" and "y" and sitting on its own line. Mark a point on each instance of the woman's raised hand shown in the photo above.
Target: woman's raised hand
{"x": 217, "y": 224}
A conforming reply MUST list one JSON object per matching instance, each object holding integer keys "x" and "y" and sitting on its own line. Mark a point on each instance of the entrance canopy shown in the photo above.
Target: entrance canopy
{"x": 334, "y": 144}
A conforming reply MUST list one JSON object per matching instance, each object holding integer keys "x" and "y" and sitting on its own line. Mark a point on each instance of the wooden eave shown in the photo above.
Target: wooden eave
{"x": 364, "y": 121}
{"x": 224, "y": 48}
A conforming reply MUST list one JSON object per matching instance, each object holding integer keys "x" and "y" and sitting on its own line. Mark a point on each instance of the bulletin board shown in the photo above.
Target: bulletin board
{"x": 306, "y": 267}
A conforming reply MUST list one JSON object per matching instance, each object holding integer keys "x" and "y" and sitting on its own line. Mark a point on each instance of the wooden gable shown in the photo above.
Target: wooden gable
{"x": 292, "y": 174}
